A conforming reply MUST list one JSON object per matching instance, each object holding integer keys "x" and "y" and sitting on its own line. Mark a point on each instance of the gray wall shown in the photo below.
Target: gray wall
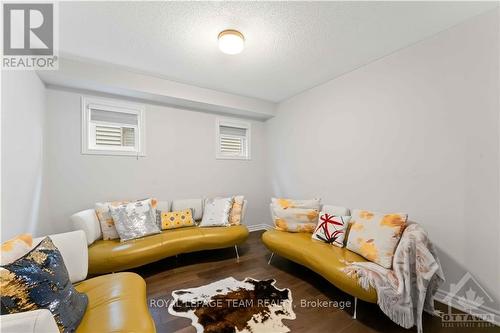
{"x": 415, "y": 132}
{"x": 23, "y": 111}
{"x": 180, "y": 163}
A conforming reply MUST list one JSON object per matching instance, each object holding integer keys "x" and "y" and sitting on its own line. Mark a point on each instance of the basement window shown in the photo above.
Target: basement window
{"x": 233, "y": 139}
{"x": 112, "y": 128}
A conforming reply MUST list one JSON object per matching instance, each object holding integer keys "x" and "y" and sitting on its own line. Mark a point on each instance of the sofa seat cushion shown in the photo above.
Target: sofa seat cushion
{"x": 117, "y": 303}
{"x": 324, "y": 259}
{"x": 112, "y": 255}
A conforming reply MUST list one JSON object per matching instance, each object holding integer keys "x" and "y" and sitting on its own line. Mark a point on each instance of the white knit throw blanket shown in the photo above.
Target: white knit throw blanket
{"x": 408, "y": 289}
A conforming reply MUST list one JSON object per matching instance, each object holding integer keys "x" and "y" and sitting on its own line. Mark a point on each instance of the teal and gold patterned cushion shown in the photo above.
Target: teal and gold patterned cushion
{"x": 40, "y": 280}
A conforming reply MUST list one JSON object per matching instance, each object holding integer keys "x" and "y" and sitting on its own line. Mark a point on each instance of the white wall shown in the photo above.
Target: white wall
{"x": 23, "y": 111}
{"x": 180, "y": 163}
{"x": 416, "y": 132}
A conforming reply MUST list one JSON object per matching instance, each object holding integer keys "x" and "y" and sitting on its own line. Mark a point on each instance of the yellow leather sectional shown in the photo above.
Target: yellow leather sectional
{"x": 107, "y": 256}
{"x": 325, "y": 259}
{"x": 117, "y": 303}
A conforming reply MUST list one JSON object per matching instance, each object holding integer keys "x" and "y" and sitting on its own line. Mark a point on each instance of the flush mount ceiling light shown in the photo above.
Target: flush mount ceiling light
{"x": 231, "y": 42}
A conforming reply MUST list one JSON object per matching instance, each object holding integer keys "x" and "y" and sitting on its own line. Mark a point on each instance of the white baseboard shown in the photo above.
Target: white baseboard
{"x": 441, "y": 295}
{"x": 256, "y": 227}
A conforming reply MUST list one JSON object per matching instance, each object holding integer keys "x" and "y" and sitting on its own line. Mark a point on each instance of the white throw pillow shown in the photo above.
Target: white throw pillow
{"x": 216, "y": 212}
{"x": 331, "y": 229}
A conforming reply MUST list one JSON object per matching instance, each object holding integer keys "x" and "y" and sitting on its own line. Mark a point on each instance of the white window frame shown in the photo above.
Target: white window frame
{"x": 88, "y": 127}
{"x": 231, "y": 122}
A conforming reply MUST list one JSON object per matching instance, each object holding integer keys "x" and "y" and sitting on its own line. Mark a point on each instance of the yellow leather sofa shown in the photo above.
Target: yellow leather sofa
{"x": 116, "y": 302}
{"x": 325, "y": 259}
{"x": 112, "y": 256}
{"x": 107, "y": 256}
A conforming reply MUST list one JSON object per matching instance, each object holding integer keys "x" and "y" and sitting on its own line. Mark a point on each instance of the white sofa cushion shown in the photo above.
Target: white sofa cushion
{"x": 36, "y": 321}
{"x": 73, "y": 248}
{"x": 163, "y": 206}
{"x": 195, "y": 204}
{"x": 87, "y": 221}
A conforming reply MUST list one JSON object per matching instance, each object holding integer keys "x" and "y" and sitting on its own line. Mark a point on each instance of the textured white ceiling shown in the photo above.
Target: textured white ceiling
{"x": 290, "y": 46}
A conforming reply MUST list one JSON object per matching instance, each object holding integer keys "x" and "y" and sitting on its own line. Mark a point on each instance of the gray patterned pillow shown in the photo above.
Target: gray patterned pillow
{"x": 134, "y": 220}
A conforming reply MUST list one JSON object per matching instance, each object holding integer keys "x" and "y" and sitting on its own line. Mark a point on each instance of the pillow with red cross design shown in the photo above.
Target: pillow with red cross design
{"x": 331, "y": 229}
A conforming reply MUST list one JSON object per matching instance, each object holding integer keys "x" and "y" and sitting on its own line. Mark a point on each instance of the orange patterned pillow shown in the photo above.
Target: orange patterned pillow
{"x": 15, "y": 248}
{"x": 236, "y": 212}
{"x": 295, "y": 219}
{"x": 295, "y": 215}
{"x": 375, "y": 236}
{"x": 293, "y": 203}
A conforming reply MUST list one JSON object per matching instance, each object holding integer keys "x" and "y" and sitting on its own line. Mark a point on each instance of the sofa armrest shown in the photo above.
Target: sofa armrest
{"x": 87, "y": 221}
{"x": 73, "y": 248}
{"x": 37, "y": 321}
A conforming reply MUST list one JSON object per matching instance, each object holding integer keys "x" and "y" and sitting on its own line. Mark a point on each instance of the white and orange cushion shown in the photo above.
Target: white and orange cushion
{"x": 293, "y": 203}
{"x": 15, "y": 248}
{"x": 295, "y": 215}
{"x": 375, "y": 236}
{"x": 295, "y": 219}
{"x": 331, "y": 229}
{"x": 236, "y": 212}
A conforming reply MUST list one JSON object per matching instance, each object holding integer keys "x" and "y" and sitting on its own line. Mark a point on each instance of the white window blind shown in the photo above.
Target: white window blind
{"x": 112, "y": 128}
{"x": 232, "y": 140}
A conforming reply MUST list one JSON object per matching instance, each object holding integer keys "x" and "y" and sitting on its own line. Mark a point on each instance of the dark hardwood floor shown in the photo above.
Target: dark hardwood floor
{"x": 197, "y": 269}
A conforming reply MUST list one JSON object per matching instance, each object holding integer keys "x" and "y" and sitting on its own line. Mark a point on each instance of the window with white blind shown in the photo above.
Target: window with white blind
{"x": 233, "y": 139}
{"x": 112, "y": 128}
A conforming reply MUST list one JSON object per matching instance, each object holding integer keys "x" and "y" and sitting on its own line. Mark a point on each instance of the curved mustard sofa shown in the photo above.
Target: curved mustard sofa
{"x": 107, "y": 256}
{"x": 117, "y": 303}
{"x": 325, "y": 259}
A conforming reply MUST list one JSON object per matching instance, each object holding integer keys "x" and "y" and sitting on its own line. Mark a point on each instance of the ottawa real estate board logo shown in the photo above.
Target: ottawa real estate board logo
{"x": 476, "y": 305}
{"x": 29, "y": 36}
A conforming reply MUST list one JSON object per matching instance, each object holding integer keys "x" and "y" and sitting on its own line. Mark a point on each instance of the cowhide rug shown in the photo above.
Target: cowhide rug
{"x": 229, "y": 305}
